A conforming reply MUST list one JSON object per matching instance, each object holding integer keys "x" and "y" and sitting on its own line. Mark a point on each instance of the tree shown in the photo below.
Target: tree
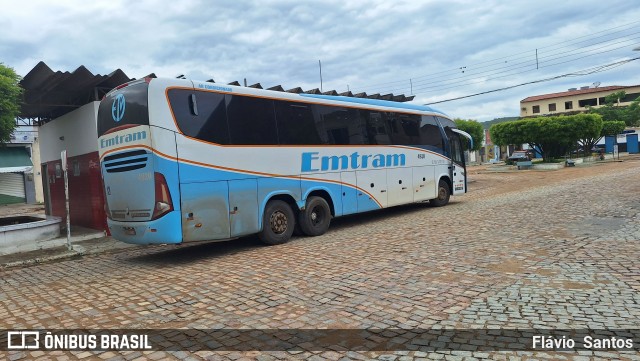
{"x": 509, "y": 133}
{"x": 553, "y": 137}
{"x": 612, "y": 128}
{"x": 607, "y": 128}
{"x": 475, "y": 129}
{"x": 10, "y": 98}
{"x": 587, "y": 130}
{"x": 514, "y": 132}
{"x": 612, "y": 111}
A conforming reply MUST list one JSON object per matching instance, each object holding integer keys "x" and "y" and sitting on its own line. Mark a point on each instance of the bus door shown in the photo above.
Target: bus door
{"x": 459, "y": 171}
{"x": 457, "y": 168}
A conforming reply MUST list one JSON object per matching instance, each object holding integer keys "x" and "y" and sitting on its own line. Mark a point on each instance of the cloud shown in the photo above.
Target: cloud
{"x": 419, "y": 47}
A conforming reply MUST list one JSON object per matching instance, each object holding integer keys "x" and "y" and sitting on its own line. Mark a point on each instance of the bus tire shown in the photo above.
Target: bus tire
{"x": 278, "y": 223}
{"x": 444, "y": 193}
{"x": 316, "y": 217}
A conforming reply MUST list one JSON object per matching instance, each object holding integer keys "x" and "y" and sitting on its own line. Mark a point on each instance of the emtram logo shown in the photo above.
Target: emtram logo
{"x": 313, "y": 161}
{"x": 23, "y": 340}
{"x": 118, "y": 107}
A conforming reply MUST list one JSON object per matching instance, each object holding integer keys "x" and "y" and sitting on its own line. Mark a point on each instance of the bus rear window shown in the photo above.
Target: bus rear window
{"x": 126, "y": 106}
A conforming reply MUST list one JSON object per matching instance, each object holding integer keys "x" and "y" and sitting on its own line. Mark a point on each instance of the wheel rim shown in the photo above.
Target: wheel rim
{"x": 278, "y": 222}
{"x": 442, "y": 193}
{"x": 316, "y": 216}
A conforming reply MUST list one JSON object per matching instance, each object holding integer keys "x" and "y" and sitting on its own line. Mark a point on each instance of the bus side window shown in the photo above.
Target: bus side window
{"x": 296, "y": 125}
{"x": 404, "y": 128}
{"x": 251, "y": 120}
{"x": 204, "y": 118}
{"x": 377, "y": 130}
{"x": 342, "y": 126}
{"x": 430, "y": 134}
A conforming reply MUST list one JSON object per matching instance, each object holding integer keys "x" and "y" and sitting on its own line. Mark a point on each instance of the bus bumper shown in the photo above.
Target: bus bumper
{"x": 164, "y": 230}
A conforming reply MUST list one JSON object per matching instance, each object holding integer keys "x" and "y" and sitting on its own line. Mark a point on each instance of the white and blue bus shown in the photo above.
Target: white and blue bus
{"x": 186, "y": 161}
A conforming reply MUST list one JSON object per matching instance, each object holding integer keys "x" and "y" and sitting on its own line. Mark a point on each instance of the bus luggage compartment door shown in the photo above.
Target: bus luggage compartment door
{"x": 423, "y": 183}
{"x": 372, "y": 192}
{"x": 205, "y": 211}
{"x": 243, "y": 207}
{"x": 400, "y": 182}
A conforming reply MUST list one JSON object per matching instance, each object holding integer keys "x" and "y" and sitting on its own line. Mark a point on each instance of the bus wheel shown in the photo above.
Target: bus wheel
{"x": 278, "y": 223}
{"x": 315, "y": 218}
{"x": 443, "y": 195}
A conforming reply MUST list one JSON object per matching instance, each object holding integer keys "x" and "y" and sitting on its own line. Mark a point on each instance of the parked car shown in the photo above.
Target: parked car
{"x": 520, "y": 156}
{"x": 595, "y": 149}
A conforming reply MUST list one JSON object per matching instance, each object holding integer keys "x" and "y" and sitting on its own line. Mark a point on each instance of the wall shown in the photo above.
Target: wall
{"x": 86, "y": 199}
{"x": 78, "y": 129}
{"x": 77, "y": 133}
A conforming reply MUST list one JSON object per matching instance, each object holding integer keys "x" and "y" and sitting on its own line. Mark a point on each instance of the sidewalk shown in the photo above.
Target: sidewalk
{"x": 83, "y": 243}
{"x": 83, "y": 240}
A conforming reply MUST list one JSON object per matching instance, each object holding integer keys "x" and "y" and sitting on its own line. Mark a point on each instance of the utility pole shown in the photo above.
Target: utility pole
{"x": 320, "y": 64}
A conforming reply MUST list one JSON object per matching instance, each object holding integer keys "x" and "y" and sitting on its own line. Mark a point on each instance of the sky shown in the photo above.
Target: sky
{"x": 435, "y": 50}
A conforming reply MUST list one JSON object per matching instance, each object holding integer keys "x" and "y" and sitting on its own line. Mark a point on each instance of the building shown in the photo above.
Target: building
{"x": 62, "y": 106}
{"x": 19, "y": 180}
{"x": 574, "y": 100}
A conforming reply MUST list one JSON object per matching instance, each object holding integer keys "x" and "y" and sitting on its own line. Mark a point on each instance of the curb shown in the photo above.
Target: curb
{"x": 78, "y": 251}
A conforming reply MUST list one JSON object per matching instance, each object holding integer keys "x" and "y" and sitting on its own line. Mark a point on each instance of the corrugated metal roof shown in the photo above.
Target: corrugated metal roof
{"x": 50, "y": 94}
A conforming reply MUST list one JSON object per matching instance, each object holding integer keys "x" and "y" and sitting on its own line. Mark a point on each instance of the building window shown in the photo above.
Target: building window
{"x": 568, "y": 105}
{"x": 588, "y": 102}
{"x": 552, "y": 107}
{"x": 630, "y": 97}
{"x": 536, "y": 109}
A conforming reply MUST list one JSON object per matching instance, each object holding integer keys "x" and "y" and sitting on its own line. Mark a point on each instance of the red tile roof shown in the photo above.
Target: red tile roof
{"x": 575, "y": 92}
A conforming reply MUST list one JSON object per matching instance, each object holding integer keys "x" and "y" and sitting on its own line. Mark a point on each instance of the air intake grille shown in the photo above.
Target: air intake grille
{"x": 126, "y": 161}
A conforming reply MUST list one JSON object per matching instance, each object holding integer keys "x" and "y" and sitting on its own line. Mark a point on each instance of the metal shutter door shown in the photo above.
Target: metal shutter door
{"x": 12, "y": 184}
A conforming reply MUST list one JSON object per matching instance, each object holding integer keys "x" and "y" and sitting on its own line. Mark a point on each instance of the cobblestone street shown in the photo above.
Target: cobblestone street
{"x": 527, "y": 249}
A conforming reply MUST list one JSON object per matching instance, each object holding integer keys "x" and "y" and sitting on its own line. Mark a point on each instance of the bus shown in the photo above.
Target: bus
{"x": 185, "y": 161}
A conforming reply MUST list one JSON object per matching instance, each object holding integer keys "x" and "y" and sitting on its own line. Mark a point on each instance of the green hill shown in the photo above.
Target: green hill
{"x": 489, "y": 123}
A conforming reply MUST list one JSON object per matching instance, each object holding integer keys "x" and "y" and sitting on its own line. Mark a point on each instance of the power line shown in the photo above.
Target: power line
{"x": 452, "y": 85}
{"x": 530, "y": 65}
{"x": 547, "y": 58}
{"x": 580, "y": 73}
{"x": 472, "y": 69}
{"x": 510, "y": 58}
{"x": 500, "y": 60}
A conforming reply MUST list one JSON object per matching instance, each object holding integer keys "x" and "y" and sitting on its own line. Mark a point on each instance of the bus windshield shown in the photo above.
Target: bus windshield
{"x": 124, "y": 107}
